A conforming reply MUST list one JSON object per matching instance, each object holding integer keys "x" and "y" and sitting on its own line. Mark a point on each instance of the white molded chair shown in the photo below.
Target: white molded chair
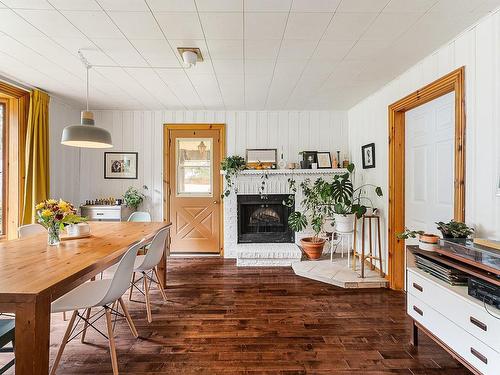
{"x": 140, "y": 216}
{"x": 146, "y": 265}
{"x": 102, "y": 293}
{"x": 30, "y": 230}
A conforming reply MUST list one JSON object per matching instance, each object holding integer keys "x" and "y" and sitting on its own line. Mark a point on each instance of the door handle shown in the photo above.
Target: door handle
{"x": 215, "y": 202}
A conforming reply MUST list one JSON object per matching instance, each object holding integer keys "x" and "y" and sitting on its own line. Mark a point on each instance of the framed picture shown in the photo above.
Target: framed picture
{"x": 261, "y": 158}
{"x": 368, "y": 155}
{"x": 120, "y": 165}
{"x": 308, "y": 157}
{"x": 324, "y": 160}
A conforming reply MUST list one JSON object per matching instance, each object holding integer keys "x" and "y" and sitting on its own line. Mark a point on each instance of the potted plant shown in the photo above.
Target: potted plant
{"x": 231, "y": 165}
{"x": 426, "y": 241}
{"x": 133, "y": 198}
{"x": 348, "y": 203}
{"x": 454, "y": 229}
{"x": 316, "y": 207}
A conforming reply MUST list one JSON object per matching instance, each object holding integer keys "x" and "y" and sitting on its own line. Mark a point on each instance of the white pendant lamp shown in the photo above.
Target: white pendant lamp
{"x": 86, "y": 134}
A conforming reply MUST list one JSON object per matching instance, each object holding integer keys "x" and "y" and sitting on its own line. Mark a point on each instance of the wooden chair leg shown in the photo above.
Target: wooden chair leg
{"x": 63, "y": 343}
{"x": 129, "y": 319}
{"x": 160, "y": 286}
{"x": 64, "y": 315}
{"x": 131, "y": 287}
{"x": 146, "y": 294}
{"x": 85, "y": 324}
{"x": 112, "y": 346}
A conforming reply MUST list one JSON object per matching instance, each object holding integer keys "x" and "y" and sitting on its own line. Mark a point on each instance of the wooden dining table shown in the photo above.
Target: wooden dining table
{"x": 33, "y": 274}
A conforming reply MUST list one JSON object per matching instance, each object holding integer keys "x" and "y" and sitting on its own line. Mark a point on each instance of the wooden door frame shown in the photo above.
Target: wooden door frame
{"x": 167, "y": 128}
{"x": 452, "y": 82}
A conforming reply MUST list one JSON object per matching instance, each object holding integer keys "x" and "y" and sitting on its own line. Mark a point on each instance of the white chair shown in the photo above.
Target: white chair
{"x": 146, "y": 265}
{"x": 140, "y": 216}
{"x": 102, "y": 293}
{"x": 30, "y": 230}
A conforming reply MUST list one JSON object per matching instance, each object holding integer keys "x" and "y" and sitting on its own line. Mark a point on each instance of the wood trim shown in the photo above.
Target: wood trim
{"x": 166, "y": 170}
{"x": 452, "y": 82}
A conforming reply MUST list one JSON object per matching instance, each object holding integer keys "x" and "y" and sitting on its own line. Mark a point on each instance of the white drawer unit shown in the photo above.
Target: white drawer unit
{"x": 105, "y": 213}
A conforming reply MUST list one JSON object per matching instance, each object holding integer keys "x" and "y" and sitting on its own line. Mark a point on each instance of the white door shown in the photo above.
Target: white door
{"x": 429, "y": 163}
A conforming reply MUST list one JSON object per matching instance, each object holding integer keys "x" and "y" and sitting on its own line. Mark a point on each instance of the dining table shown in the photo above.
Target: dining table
{"x": 33, "y": 274}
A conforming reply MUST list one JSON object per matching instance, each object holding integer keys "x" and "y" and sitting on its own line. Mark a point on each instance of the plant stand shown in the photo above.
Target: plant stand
{"x": 343, "y": 238}
{"x": 370, "y": 255}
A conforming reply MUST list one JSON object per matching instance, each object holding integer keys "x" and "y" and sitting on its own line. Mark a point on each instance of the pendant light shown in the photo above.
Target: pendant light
{"x": 86, "y": 135}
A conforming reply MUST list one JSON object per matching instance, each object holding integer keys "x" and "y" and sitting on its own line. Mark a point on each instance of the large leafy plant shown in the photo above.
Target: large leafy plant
{"x": 133, "y": 197}
{"x": 231, "y": 165}
{"x": 454, "y": 229}
{"x": 348, "y": 200}
{"x": 316, "y": 206}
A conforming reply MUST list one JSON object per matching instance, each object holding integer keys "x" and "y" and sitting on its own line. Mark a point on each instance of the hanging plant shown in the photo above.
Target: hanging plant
{"x": 263, "y": 180}
{"x": 231, "y": 165}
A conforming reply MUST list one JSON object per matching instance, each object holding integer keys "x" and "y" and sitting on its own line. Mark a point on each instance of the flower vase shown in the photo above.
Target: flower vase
{"x": 53, "y": 235}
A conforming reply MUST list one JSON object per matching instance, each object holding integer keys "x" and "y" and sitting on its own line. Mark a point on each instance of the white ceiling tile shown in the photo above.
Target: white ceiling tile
{"x": 157, "y": 52}
{"x": 362, "y": 6}
{"x": 220, "y": 5}
{"x": 50, "y": 22}
{"x": 319, "y": 69}
{"x": 172, "y": 5}
{"x": 27, "y": 4}
{"x": 389, "y": 26}
{"x": 265, "y": 25}
{"x": 403, "y": 6}
{"x": 228, "y": 67}
{"x": 225, "y": 49}
{"x": 332, "y": 49}
{"x": 124, "y": 5}
{"x": 348, "y": 26}
{"x": 137, "y": 25}
{"x": 262, "y": 49}
{"x": 267, "y": 5}
{"x": 307, "y": 25}
{"x": 292, "y": 49}
{"x": 259, "y": 66}
{"x": 181, "y": 86}
{"x": 455, "y": 6}
{"x": 218, "y": 25}
{"x": 12, "y": 24}
{"x": 367, "y": 49}
{"x": 93, "y": 24}
{"x": 289, "y": 69}
{"x": 315, "y": 6}
{"x": 180, "y": 25}
{"x": 121, "y": 51}
{"x": 75, "y": 5}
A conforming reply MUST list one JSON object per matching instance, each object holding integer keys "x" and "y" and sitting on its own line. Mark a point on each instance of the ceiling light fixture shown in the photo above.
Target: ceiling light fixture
{"x": 190, "y": 56}
{"x": 86, "y": 134}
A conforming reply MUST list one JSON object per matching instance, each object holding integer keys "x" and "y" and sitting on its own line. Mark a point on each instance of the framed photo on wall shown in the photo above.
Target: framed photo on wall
{"x": 324, "y": 160}
{"x": 368, "y": 155}
{"x": 120, "y": 165}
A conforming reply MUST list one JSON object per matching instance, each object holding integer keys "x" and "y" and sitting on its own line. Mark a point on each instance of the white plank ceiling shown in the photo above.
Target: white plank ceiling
{"x": 259, "y": 54}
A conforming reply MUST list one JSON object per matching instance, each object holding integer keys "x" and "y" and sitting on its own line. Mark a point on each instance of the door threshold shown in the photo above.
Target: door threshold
{"x": 192, "y": 255}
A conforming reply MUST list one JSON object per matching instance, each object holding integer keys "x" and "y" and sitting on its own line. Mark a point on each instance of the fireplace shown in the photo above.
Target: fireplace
{"x": 264, "y": 219}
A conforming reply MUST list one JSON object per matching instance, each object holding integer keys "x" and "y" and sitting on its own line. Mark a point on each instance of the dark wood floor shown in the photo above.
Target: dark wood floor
{"x": 220, "y": 319}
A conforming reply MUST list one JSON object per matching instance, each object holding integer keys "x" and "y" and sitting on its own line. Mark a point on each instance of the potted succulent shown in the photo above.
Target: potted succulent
{"x": 454, "y": 229}
{"x": 231, "y": 165}
{"x": 348, "y": 203}
{"x": 316, "y": 207}
{"x": 426, "y": 241}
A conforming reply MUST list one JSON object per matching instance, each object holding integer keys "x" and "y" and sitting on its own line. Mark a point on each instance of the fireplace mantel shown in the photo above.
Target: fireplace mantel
{"x": 291, "y": 172}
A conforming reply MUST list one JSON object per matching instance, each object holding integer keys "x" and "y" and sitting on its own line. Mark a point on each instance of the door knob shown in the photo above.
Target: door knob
{"x": 215, "y": 202}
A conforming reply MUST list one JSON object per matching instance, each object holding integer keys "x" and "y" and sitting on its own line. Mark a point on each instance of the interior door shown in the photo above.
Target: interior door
{"x": 429, "y": 163}
{"x": 194, "y": 190}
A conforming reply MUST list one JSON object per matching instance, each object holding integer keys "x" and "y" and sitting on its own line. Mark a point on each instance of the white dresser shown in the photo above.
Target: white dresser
{"x": 105, "y": 212}
{"x": 455, "y": 320}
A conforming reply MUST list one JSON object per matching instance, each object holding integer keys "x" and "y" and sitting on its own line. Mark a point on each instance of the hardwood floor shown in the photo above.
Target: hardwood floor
{"x": 220, "y": 319}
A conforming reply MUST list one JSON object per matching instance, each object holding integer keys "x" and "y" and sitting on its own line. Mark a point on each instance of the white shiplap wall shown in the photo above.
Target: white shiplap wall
{"x": 478, "y": 49}
{"x": 64, "y": 161}
{"x": 142, "y": 131}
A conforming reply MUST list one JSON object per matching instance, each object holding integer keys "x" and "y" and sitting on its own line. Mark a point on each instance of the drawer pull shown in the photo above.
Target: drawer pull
{"x": 418, "y": 287}
{"x": 99, "y": 213}
{"x": 418, "y": 311}
{"x": 479, "y": 324}
{"x": 479, "y": 356}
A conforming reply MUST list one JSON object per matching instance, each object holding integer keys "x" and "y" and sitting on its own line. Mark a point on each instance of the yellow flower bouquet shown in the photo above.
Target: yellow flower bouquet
{"x": 55, "y": 215}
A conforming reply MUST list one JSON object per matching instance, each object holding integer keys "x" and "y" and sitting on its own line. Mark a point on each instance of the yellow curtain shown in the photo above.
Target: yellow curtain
{"x": 36, "y": 185}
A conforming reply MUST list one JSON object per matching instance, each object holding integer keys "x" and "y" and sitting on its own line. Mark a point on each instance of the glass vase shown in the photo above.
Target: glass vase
{"x": 54, "y": 235}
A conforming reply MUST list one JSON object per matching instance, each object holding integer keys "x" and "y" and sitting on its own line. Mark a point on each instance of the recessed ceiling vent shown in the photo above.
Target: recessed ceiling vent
{"x": 190, "y": 56}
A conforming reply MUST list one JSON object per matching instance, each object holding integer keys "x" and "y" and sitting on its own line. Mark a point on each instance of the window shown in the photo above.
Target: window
{"x": 3, "y": 125}
{"x": 194, "y": 167}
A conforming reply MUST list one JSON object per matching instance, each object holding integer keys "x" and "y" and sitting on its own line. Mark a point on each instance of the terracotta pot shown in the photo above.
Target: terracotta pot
{"x": 428, "y": 242}
{"x": 313, "y": 249}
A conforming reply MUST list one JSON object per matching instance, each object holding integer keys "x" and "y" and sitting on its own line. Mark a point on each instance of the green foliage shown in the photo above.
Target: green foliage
{"x": 454, "y": 229}
{"x": 133, "y": 197}
{"x": 409, "y": 234}
{"x": 231, "y": 165}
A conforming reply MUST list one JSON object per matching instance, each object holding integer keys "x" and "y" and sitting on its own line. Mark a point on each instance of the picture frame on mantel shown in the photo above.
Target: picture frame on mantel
{"x": 121, "y": 165}
{"x": 324, "y": 160}
{"x": 368, "y": 155}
